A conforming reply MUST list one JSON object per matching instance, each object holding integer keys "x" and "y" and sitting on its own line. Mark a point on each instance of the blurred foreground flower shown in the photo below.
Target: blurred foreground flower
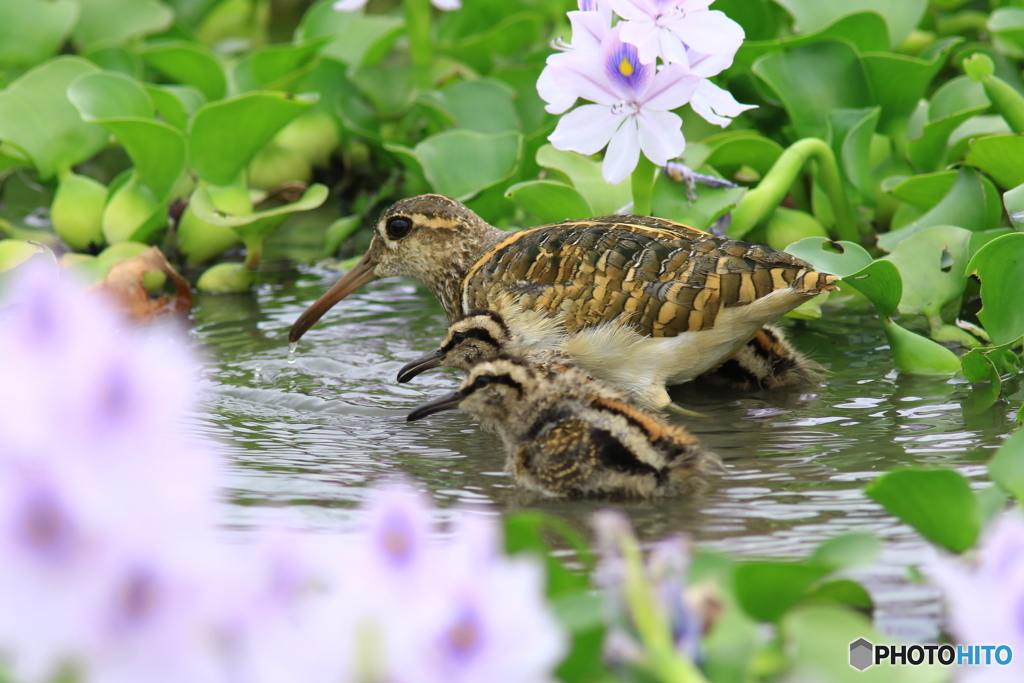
{"x": 654, "y": 622}
{"x": 114, "y": 571}
{"x": 986, "y": 602}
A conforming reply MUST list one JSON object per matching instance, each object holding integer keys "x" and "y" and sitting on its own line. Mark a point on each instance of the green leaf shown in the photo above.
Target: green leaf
{"x": 898, "y": 82}
{"x": 880, "y": 282}
{"x": 99, "y": 96}
{"x": 225, "y": 136}
{"x": 932, "y": 264}
{"x": 817, "y": 639}
{"x": 461, "y": 163}
{"x": 847, "y": 550}
{"x": 921, "y": 191}
{"x": 190, "y": 64}
{"x": 123, "y": 106}
{"x": 483, "y": 105}
{"x": 953, "y": 103}
{"x": 277, "y": 67}
{"x": 255, "y": 224}
{"x": 839, "y": 258}
{"x": 866, "y": 31}
{"x": 389, "y": 87}
{"x": 813, "y": 80}
{"x": 841, "y": 591}
{"x": 355, "y": 36}
{"x": 112, "y": 22}
{"x": 1013, "y": 201}
{"x": 901, "y": 17}
{"x": 915, "y": 355}
{"x": 549, "y": 201}
{"x": 32, "y": 31}
{"x": 175, "y": 103}
{"x": 1006, "y": 468}
{"x": 133, "y": 212}
{"x": 226, "y": 278}
{"x": 1000, "y": 267}
{"x": 967, "y": 205}
{"x": 728, "y": 152}
{"x": 1000, "y": 156}
{"x": 1007, "y": 26}
{"x": 585, "y": 175}
{"x": 984, "y": 379}
{"x": 670, "y": 201}
{"x": 767, "y": 590}
{"x": 937, "y": 502}
{"x": 509, "y": 35}
{"x": 37, "y": 117}
{"x": 852, "y": 131}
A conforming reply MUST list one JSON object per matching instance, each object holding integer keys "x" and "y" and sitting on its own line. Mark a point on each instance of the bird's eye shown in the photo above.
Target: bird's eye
{"x": 459, "y": 337}
{"x": 398, "y": 227}
{"x": 482, "y": 381}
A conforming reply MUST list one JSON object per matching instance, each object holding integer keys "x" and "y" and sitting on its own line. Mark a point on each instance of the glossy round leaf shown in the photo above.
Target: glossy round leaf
{"x": 106, "y": 95}
{"x": 917, "y": 355}
{"x": 898, "y": 82}
{"x": 839, "y": 258}
{"x": 1000, "y": 267}
{"x": 482, "y": 105}
{"x": 225, "y": 136}
{"x": 813, "y": 80}
{"x": 461, "y": 163}
{"x": 932, "y": 264}
{"x": 112, "y": 22}
{"x": 880, "y": 282}
{"x": 901, "y": 17}
{"x": 937, "y": 503}
{"x": 32, "y": 31}
{"x": 921, "y": 191}
{"x": 967, "y": 205}
{"x": 866, "y": 31}
{"x": 1006, "y": 468}
{"x": 1001, "y": 157}
{"x": 38, "y": 118}
{"x": 549, "y": 201}
{"x": 767, "y": 590}
{"x": 585, "y": 175}
{"x": 189, "y": 64}
{"x": 255, "y": 224}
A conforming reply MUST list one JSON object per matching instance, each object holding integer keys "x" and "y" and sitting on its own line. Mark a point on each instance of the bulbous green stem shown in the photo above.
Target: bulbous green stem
{"x": 253, "y": 251}
{"x": 643, "y": 186}
{"x": 652, "y": 623}
{"x": 1007, "y": 101}
{"x": 961, "y": 23}
{"x": 758, "y": 204}
{"x": 417, "y": 28}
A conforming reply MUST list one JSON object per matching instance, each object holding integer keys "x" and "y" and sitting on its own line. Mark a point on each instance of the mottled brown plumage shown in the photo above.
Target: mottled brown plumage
{"x": 768, "y": 361}
{"x": 612, "y": 282}
{"x": 567, "y": 435}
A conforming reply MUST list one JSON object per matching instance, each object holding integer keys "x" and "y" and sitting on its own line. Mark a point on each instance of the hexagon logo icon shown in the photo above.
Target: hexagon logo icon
{"x": 861, "y": 652}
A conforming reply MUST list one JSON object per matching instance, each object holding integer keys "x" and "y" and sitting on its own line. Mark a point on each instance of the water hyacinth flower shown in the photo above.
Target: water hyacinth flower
{"x": 669, "y": 29}
{"x": 353, "y": 5}
{"x": 632, "y": 110}
{"x": 985, "y": 602}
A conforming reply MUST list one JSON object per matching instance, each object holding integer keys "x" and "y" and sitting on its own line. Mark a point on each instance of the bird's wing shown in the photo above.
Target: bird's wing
{"x": 661, "y": 278}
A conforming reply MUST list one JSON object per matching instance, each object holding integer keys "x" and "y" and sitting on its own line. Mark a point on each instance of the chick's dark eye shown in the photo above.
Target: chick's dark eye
{"x": 459, "y": 337}
{"x": 482, "y": 381}
{"x": 398, "y": 227}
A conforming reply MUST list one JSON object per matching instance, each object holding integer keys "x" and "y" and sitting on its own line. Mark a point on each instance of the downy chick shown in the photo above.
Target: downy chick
{"x": 565, "y": 435}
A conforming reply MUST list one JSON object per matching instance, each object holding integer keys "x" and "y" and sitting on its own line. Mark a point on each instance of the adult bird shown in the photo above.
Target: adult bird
{"x": 622, "y": 287}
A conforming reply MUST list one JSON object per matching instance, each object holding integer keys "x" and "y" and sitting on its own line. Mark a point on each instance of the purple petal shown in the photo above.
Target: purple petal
{"x": 627, "y": 75}
{"x": 660, "y": 135}
{"x": 672, "y": 87}
{"x": 623, "y": 152}
{"x": 710, "y": 32}
{"x": 586, "y": 129}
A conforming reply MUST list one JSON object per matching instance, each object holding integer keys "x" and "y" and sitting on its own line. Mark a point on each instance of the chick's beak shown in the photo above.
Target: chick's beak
{"x": 360, "y": 274}
{"x": 449, "y": 402}
{"x": 421, "y": 364}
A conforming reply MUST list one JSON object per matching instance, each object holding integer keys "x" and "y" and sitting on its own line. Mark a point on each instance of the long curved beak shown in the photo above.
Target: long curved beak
{"x": 360, "y": 274}
{"x": 421, "y": 364}
{"x": 449, "y": 402}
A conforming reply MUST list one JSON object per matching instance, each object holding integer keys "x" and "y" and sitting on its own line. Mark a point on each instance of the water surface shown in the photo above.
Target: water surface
{"x": 314, "y": 431}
